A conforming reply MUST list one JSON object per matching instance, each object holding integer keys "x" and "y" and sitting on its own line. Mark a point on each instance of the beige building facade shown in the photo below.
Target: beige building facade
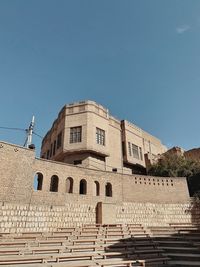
{"x": 85, "y": 134}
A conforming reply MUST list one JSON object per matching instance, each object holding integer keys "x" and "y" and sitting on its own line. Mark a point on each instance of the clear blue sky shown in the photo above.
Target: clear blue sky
{"x": 139, "y": 58}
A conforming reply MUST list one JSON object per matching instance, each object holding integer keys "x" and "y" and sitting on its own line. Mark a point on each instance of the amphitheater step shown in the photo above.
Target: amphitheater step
{"x": 173, "y": 243}
{"x": 182, "y": 263}
{"x": 180, "y": 249}
{"x": 183, "y": 256}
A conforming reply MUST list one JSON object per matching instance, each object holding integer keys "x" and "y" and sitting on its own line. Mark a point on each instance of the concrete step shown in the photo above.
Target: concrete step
{"x": 180, "y": 249}
{"x": 183, "y": 256}
{"x": 174, "y": 243}
{"x": 182, "y": 263}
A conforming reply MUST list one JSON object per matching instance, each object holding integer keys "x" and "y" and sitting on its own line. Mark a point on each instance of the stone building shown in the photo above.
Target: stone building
{"x": 86, "y": 176}
{"x": 86, "y": 134}
{"x": 193, "y": 154}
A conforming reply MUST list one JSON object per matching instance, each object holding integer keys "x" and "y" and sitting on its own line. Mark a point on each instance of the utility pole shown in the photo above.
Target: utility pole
{"x": 29, "y": 131}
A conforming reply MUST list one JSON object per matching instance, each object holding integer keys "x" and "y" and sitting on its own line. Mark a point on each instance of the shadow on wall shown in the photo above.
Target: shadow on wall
{"x": 194, "y": 184}
{"x": 194, "y": 210}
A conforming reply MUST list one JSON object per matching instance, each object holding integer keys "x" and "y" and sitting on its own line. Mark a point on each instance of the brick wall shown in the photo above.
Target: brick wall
{"x": 152, "y": 214}
{"x": 18, "y": 167}
{"x": 28, "y": 217}
{"x": 24, "y": 217}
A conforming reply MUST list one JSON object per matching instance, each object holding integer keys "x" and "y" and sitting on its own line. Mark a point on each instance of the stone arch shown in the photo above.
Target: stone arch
{"x": 83, "y": 187}
{"x": 108, "y": 190}
{"x": 38, "y": 181}
{"x": 69, "y": 185}
{"x": 96, "y": 188}
{"x": 54, "y": 183}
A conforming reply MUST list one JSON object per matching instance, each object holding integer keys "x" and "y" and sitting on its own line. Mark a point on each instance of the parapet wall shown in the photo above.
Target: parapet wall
{"x": 18, "y": 167}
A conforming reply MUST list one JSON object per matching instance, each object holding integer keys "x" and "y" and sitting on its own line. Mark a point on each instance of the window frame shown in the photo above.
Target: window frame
{"x": 59, "y": 140}
{"x": 135, "y": 151}
{"x": 75, "y": 135}
{"x": 100, "y": 136}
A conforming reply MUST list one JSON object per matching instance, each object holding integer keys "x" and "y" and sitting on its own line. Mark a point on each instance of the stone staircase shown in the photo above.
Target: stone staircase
{"x": 181, "y": 243}
{"x": 86, "y": 246}
{"x": 104, "y": 245}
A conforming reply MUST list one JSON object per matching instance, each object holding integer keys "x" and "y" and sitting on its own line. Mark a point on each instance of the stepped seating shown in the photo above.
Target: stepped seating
{"x": 89, "y": 245}
{"x": 180, "y": 243}
{"x": 104, "y": 245}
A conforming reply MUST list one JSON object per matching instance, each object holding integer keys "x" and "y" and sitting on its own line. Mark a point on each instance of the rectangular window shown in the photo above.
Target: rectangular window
{"x": 129, "y": 148}
{"x": 100, "y": 136}
{"x": 51, "y": 150}
{"x": 135, "y": 151}
{"x": 59, "y": 140}
{"x": 141, "y": 155}
{"x": 48, "y": 152}
{"x": 123, "y": 148}
{"x": 54, "y": 147}
{"x": 75, "y": 134}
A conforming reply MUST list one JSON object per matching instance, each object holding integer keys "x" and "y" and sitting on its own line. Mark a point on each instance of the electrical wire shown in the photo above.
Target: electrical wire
{"x": 38, "y": 135}
{"x": 20, "y": 129}
{"x": 15, "y": 129}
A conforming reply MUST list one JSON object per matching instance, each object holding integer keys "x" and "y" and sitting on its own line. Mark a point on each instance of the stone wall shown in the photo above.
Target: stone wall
{"x": 151, "y": 214}
{"x": 24, "y": 217}
{"x": 18, "y": 167}
{"x": 28, "y": 217}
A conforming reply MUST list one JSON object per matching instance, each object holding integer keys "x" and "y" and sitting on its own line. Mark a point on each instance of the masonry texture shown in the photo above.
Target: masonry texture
{"x": 132, "y": 198}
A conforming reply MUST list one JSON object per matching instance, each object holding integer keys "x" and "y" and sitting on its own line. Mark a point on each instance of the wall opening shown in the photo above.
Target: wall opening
{"x": 108, "y": 190}
{"x": 54, "y": 183}
{"x": 83, "y": 187}
{"x": 96, "y": 189}
{"x": 69, "y": 185}
{"x": 77, "y": 162}
{"x": 38, "y": 181}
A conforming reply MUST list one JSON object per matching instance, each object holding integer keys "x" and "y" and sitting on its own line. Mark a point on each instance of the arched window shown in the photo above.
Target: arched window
{"x": 83, "y": 187}
{"x": 54, "y": 183}
{"x": 38, "y": 180}
{"x": 108, "y": 190}
{"x": 96, "y": 189}
{"x": 69, "y": 185}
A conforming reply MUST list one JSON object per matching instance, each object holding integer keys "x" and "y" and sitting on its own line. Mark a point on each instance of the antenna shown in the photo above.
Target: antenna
{"x": 29, "y": 131}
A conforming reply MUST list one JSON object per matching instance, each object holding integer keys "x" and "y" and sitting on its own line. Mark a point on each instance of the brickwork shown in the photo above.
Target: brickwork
{"x": 18, "y": 167}
{"x": 25, "y": 217}
{"x": 151, "y": 214}
{"x": 132, "y": 198}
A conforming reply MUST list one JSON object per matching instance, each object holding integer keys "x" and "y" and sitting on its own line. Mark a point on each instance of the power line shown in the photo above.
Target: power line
{"x": 14, "y": 129}
{"x": 38, "y": 135}
{"x": 10, "y": 128}
{"x": 19, "y": 129}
